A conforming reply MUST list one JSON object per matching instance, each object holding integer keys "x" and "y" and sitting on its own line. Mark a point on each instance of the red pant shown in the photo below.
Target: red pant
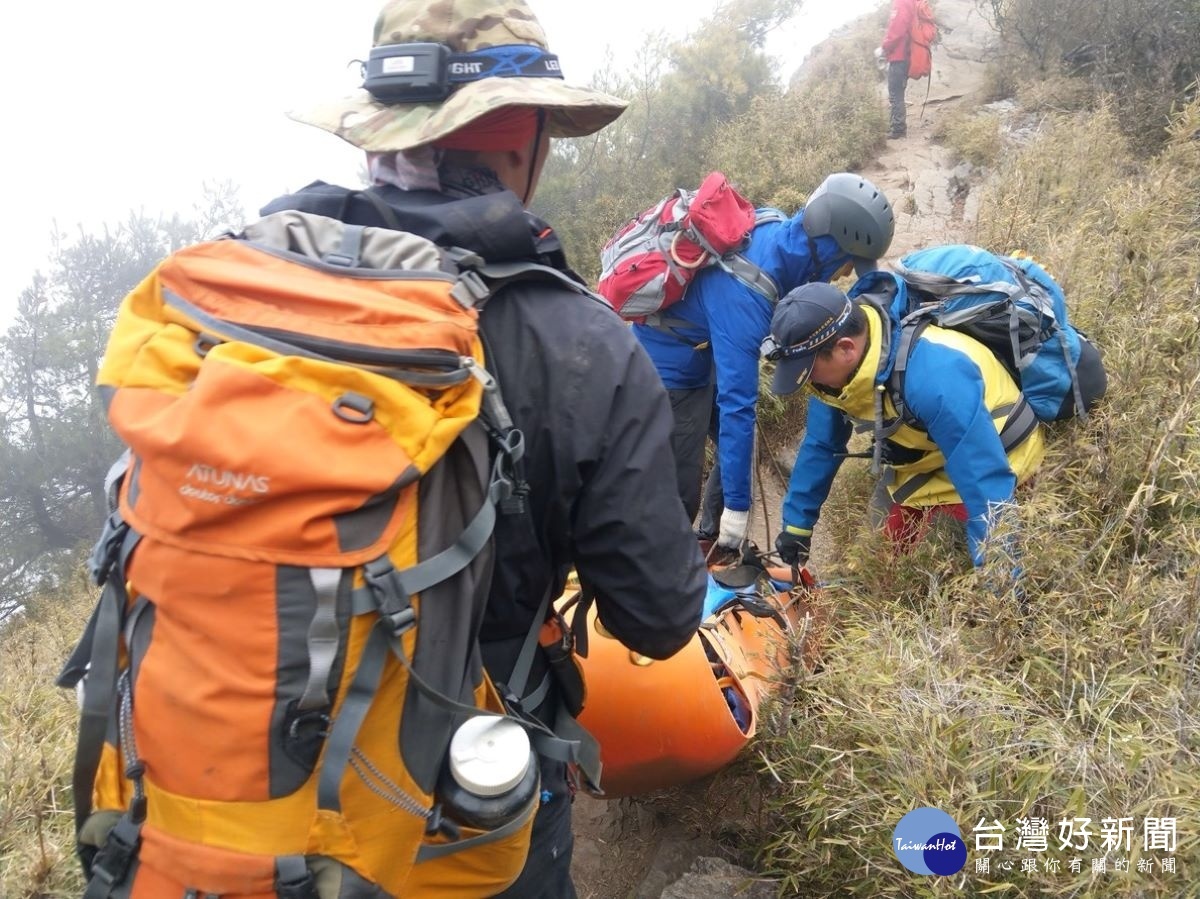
{"x": 905, "y": 525}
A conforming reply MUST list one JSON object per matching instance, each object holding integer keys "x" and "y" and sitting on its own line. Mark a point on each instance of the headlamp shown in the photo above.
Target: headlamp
{"x": 428, "y": 72}
{"x": 770, "y": 349}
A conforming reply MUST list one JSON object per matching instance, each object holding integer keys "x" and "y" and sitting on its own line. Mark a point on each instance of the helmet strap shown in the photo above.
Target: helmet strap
{"x": 812, "y": 251}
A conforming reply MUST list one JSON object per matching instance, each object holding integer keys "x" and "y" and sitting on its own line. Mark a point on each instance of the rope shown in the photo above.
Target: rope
{"x": 762, "y": 487}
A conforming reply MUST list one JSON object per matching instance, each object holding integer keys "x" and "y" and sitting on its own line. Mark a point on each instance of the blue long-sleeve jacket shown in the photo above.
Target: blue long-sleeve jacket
{"x": 961, "y": 396}
{"x": 727, "y": 323}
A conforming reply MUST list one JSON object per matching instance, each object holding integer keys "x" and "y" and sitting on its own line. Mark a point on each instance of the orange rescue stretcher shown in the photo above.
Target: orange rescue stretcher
{"x": 664, "y": 723}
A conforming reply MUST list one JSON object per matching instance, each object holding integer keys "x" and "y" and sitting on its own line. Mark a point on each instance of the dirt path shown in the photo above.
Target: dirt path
{"x": 633, "y": 849}
{"x": 930, "y": 194}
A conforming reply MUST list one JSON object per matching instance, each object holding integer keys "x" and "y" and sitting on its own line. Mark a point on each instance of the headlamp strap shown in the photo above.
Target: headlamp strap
{"x": 772, "y": 350}
{"x": 506, "y": 61}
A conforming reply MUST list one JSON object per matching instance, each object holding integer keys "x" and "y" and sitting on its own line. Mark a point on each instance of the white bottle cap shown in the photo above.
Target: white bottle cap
{"x": 489, "y": 755}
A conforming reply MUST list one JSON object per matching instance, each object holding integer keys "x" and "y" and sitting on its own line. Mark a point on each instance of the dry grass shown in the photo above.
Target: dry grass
{"x": 972, "y": 136}
{"x": 37, "y": 740}
{"x": 937, "y": 691}
{"x": 1056, "y": 94}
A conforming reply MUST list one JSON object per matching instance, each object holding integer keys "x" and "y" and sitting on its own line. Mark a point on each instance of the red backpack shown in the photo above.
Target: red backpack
{"x": 924, "y": 32}
{"x": 647, "y": 265}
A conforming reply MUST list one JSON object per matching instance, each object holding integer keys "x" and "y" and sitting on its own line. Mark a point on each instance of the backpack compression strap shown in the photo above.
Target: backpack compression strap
{"x": 943, "y": 287}
{"x": 586, "y": 750}
{"x": 96, "y": 657}
{"x": 1037, "y": 294}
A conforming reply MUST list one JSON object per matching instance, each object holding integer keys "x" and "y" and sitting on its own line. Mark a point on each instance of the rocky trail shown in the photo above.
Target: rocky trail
{"x": 931, "y": 195}
{"x": 679, "y": 844}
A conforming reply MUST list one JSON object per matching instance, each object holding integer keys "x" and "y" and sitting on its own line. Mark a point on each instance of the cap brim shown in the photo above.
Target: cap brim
{"x": 792, "y": 374}
{"x": 373, "y": 126}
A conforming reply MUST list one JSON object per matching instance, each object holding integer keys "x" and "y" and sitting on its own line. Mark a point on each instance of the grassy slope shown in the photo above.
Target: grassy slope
{"x": 37, "y": 733}
{"x": 939, "y": 692}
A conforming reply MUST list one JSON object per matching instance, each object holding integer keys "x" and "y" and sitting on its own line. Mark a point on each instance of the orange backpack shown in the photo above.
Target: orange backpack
{"x": 921, "y": 38}
{"x": 295, "y": 574}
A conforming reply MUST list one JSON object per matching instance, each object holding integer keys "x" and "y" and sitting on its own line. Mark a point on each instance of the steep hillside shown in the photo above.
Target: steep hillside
{"x": 636, "y": 848}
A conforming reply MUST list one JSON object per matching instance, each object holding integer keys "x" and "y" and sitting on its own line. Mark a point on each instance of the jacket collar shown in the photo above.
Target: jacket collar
{"x": 857, "y": 397}
{"x": 494, "y": 225}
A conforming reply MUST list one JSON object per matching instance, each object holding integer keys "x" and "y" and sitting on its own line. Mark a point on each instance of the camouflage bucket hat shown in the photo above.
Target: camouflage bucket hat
{"x": 510, "y": 30}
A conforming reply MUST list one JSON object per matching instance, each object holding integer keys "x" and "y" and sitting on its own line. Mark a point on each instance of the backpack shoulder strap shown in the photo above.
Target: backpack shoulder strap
{"x": 746, "y": 271}
{"x": 906, "y": 337}
{"x": 752, "y": 276}
{"x": 497, "y": 274}
{"x": 768, "y": 214}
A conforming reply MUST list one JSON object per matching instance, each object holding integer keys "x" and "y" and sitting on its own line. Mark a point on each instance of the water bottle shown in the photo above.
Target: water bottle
{"x": 490, "y": 775}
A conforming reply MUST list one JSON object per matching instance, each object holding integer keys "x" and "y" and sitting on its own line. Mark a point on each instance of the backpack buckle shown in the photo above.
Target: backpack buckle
{"x": 392, "y": 598}
{"x": 107, "y": 548}
{"x": 111, "y": 864}
{"x": 515, "y": 503}
{"x": 439, "y": 825}
{"x": 402, "y": 621}
{"x": 470, "y": 289}
{"x": 290, "y": 886}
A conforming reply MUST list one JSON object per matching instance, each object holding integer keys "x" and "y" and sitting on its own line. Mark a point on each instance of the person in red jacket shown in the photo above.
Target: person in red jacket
{"x": 896, "y": 48}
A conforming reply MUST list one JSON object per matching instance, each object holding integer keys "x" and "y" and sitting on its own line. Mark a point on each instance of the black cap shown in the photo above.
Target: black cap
{"x": 804, "y": 321}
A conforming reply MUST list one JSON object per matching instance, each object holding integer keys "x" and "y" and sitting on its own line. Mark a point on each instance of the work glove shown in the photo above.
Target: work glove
{"x": 794, "y": 545}
{"x": 881, "y": 62}
{"x": 733, "y": 528}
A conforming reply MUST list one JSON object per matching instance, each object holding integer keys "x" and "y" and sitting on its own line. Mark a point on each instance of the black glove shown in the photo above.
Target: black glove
{"x": 793, "y": 549}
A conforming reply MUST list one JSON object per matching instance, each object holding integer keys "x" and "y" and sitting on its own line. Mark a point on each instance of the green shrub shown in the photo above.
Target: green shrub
{"x": 1142, "y": 53}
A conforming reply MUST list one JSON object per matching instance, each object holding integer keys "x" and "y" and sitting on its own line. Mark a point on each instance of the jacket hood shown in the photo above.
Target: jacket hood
{"x": 887, "y": 293}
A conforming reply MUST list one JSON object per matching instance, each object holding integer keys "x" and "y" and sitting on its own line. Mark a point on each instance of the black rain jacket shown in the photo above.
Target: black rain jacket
{"x": 596, "y": 422}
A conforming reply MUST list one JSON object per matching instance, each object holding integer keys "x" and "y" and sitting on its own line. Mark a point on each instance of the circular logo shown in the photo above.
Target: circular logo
{"x": 927, "y": 841}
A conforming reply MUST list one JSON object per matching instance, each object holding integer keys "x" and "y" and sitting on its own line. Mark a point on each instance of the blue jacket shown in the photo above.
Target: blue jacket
{"x": 730, "y": 321}
{"x": 959, "y": 393}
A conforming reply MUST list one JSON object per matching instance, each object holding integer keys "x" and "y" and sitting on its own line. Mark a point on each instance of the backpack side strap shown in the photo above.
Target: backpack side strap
{"x": 430, "y": 851}
{"x": 96, "y": 657}
{"x": 1021, "y": 422}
